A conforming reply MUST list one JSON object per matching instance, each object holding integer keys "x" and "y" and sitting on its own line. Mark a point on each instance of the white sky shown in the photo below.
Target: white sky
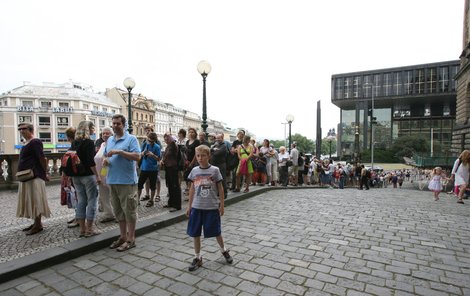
{"x": 269, "y": 58}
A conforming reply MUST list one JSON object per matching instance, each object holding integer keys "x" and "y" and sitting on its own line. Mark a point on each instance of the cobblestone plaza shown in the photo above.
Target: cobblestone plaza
{"x": 287, "y": 242}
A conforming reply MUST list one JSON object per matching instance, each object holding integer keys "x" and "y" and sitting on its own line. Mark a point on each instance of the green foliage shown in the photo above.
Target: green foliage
{"x": 303, "y": 144}
{"x": 325, "y": 147}
{"x": 380, "y": 155}
{"x": 407, "y": 145}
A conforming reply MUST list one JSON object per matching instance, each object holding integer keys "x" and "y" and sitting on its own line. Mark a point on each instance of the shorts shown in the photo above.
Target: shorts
{"x": 148, "y": 175}
{"x": 207, "y": 219}
{"x": 124, "y": 202}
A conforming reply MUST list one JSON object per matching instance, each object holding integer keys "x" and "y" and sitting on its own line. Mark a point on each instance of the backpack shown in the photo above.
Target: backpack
{"x": 181, "y": 157}
{"x": 300, "y": 162}
{"x": 367, "y": 173}
{"x": 71, "y": 164}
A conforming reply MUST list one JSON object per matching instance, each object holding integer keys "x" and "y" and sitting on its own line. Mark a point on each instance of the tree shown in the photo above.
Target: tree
{"x": 303, "y": 144}
{"x": 407, "y": 145}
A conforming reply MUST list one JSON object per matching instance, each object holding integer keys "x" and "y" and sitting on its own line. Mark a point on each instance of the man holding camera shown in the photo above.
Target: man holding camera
{"x": 149, "y": 168}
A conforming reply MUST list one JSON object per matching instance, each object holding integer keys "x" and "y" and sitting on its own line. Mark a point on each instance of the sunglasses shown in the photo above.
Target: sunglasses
{"x": 22, "y": 128}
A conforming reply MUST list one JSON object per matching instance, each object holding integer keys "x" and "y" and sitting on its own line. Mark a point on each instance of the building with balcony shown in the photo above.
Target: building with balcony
{"x": 51, "y": 108}
{"x": 411, "y": 100}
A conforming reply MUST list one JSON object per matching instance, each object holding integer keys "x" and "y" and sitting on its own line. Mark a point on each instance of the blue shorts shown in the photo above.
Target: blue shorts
{"x": 207, "y": 219}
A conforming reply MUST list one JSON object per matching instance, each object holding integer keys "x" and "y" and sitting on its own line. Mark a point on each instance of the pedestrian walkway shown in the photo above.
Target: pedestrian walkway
{"x": 287, "y": 242}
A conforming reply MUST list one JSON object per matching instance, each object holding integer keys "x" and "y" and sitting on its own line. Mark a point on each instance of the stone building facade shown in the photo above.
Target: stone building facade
{"x": 461, "y": 136}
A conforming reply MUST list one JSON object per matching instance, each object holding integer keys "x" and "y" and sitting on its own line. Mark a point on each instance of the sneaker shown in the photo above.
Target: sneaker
{"x": 227, "y": 257}
{"x": 195, "y": 264}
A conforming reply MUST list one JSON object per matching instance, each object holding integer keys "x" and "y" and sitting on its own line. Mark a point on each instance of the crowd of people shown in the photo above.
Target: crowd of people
{"x": 116, "y": 172}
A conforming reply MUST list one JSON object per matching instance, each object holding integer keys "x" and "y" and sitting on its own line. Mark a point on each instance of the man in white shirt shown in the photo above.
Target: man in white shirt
{"x": 294, "y": 156}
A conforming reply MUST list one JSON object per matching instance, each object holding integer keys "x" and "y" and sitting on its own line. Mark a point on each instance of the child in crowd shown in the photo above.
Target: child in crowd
{"x": 71, "y": 194}
{"x": 260, "y": 174}
{"x": 204, "y": 207}
{"x": 435, "y": 185}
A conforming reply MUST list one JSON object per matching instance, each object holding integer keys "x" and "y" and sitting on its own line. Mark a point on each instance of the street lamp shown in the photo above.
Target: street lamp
{"x": 204, "y": 68}
{"x": 330, "y": 137}
{"x": 372, "y": 123}
{"x": 129, "y": 84}
{"x": 290, "y": 119}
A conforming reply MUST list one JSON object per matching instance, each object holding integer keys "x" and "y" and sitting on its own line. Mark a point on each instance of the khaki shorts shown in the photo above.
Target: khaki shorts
{"x": 124, "y": 202}
{"x": 294, "y": 170}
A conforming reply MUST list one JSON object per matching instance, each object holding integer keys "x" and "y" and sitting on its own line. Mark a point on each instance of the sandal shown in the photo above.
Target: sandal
{"x": 460, "y": 201}
{"x": 126, "y": 246}
{"x": 117, "y": 243}
{"x": 157, "y": 198}
{"x": 149, "y": 204}
{"x": 246, "y": 190}
{"x": 146, "y": 197}
{"x": 92, "y": 233}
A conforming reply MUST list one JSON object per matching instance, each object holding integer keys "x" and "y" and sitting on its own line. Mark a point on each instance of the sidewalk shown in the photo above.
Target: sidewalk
{"x": 284, "y": 242}
{"x": 22, "y": 254}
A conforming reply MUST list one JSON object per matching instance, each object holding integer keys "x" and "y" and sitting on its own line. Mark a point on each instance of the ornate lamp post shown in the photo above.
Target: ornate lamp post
{"x": 204, "y": 68}
{"x": 331, "y": 136}
{"x": 290, "y": 119}
{"x": 129, "y": 84}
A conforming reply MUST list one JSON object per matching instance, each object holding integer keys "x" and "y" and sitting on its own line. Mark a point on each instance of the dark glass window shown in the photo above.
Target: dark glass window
{"x": 432, "y": 80}
{"x": 408, "y": 79}
{"x": 419, "y": 81}
{"x": 443, "y": 79}
{"x": 397, "y": 84}
{"x": 387, "y": 84}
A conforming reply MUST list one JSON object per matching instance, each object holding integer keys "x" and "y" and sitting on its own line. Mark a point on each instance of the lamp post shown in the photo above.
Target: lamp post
{"x": 356, "y": 145}
{"x": 331, "y": 136}
{"x": 372, "y": 123}
{"x": 290, "y": 119}
{"x": 204, "y": 68}
{"x": 129, "y": 84}
{"x": 285, "y": 133}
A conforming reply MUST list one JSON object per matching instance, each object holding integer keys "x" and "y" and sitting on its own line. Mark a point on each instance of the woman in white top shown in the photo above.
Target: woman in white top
{"x": 460, "y": 173}
{"x": 104, "y": 194}
{"x": 283, "y": 157}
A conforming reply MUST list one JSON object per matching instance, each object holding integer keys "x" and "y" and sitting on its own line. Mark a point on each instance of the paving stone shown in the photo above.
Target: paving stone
{"x": 291, "y": 288}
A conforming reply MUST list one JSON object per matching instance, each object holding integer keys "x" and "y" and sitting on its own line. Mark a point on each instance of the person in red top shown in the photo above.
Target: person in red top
{"x": 32, "y": 198}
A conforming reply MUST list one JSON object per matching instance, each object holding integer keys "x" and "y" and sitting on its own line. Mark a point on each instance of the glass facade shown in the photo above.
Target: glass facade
{"x": 413, "y": 100}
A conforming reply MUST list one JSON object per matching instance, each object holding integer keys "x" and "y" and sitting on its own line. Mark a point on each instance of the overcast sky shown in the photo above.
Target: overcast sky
{"x": 269, "y": 58}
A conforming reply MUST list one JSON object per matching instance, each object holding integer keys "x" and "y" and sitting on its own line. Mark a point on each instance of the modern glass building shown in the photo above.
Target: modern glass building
{"x": 411, "y": 100}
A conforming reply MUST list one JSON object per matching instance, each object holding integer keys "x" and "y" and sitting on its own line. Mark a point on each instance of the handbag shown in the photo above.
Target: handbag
{"x": 289, "y": 163}
{"x": 25, "y": 175}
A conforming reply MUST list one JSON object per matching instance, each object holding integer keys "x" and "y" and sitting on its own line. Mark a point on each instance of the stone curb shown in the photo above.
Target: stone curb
{"x": 37, "y": 261}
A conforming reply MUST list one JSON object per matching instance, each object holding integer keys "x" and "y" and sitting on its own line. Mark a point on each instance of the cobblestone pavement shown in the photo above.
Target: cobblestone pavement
{"x": 289, "y": 242}
{"x": 16, "y": 244}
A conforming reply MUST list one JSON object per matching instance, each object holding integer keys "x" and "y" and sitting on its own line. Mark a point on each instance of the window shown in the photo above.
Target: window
{"x": 113, "y": 111}
{"x": 443, "y": 79}
{"x": 45, "y": 137}
{"x": 46, "y": 104}
{"x": 25, "y": 119}
{"x": 397, "y": 83}
{"x": 432, "y": 80}
{"x": 61, "y": 137}
{"x": 347, "y": 87}
{"x": 387, "y": 84}
{"x": 62, "y": 121}
{"x": 85, "y": 106}
{"x": 408, "y": 82}
{"x": 356, "y": 80}
{"x": 63, "y": 104}
{"x": 44, "y": 120}
{"x": 419, "y": 80}
{"x": 95, "y": 108}
{"x": 102, "y": 123}
{"x": 27, "y": 103}
{"x": 105, "y": 109}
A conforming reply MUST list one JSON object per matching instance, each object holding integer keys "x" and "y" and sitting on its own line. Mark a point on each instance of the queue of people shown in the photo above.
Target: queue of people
{"x": 113, "y": 172}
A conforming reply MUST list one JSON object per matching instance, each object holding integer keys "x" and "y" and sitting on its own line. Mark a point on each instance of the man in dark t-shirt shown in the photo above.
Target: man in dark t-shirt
{"x": 234, "y": 156}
